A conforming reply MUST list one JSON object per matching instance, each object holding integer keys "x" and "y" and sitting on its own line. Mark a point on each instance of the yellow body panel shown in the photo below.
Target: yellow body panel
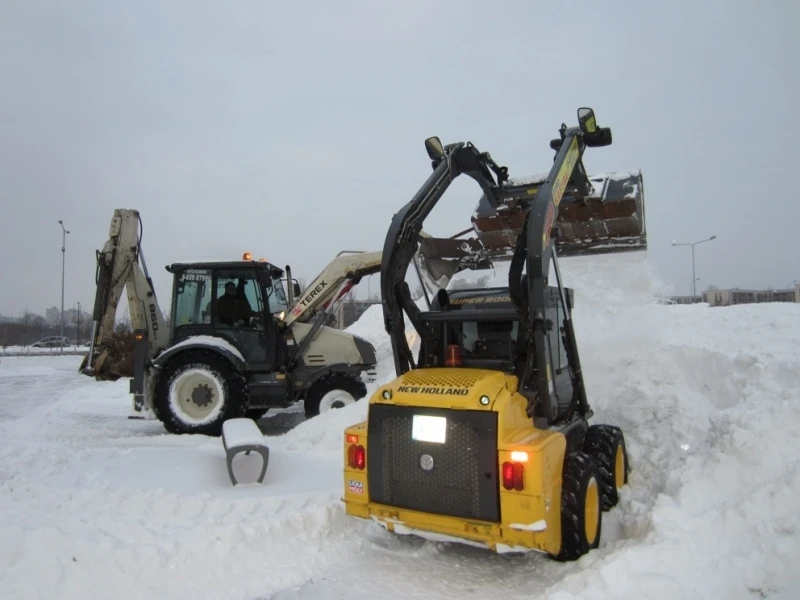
{"x": 530, "y": 518}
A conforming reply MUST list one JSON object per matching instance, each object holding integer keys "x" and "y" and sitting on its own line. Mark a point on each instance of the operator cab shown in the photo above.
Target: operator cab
{"x": 473, "y": 328}
{"x": 239, "y": 301}
{"x": 479, "y": 329}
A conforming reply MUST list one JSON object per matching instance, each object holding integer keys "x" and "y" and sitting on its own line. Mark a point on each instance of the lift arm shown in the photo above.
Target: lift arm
{"x": 348, "y": 268}
{"x": 117, "y": 269}
{"x": 535, "y": 248}
{"x": 405, "y": 232}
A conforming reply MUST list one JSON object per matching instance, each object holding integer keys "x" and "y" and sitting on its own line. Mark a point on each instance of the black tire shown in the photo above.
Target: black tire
{"x": 580, "y": 488}
{"x": 606, "y": 445}
{"x": 218, "y": 372}
{"x": 351, "y": 384}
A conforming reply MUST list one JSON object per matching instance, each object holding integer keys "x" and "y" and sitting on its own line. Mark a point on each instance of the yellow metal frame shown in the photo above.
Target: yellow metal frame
{"x": 530, "y": 518}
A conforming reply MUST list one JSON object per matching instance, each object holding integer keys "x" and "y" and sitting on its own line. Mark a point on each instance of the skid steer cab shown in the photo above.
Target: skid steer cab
{"x": 484, "y": 436}
{"x": 230, "y": 353}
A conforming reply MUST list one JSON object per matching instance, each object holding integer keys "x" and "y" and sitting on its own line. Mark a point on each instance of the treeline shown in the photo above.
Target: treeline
{"x": 31, "y": 328}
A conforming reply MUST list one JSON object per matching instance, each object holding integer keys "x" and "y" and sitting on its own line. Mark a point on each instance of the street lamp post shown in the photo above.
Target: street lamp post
{"x": 64, "y": 233}
{"x": 693, "y": 244}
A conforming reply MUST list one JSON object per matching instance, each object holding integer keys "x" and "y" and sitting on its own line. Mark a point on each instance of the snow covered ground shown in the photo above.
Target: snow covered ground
{"x": 93, "y": 505}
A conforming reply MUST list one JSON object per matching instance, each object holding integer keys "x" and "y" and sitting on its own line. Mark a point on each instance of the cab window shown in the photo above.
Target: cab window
{"x": 193, "y": 292}
{"x": 238, "y": 298}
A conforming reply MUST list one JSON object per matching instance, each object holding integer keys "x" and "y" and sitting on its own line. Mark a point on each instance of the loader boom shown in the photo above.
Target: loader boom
{"x": 348, "y": 268}
{"x": 533, "y": 246}
{"x": 118, "y": 269}
{"x": 343, "y": 273}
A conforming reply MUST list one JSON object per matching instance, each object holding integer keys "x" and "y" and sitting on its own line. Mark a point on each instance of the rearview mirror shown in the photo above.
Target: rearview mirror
{"x": 434, "y": 148}
{"x": 296, "y": 289}
{"x": 586, "y": 119}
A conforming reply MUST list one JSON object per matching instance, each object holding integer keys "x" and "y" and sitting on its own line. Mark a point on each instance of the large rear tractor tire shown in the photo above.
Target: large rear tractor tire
{"x": 581, "y": 514}
{"x": 197, "y": 391}
{"x": 333, "y": 391}
{"x": 606, "y": 445}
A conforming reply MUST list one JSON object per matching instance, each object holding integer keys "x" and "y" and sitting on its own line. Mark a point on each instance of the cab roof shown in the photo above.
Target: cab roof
{"x": 225, "y": 264}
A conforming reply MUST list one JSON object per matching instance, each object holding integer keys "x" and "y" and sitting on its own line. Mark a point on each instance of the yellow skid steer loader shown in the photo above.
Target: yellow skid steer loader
{"x": 484, "y": 436}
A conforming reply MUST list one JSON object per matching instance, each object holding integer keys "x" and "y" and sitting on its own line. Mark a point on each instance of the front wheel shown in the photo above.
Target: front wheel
{"x": 197, "y": 391}
{"x": 333, "y": 391}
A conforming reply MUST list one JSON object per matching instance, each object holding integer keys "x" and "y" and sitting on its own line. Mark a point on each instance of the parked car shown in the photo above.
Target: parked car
{"x": 54, "y": 341}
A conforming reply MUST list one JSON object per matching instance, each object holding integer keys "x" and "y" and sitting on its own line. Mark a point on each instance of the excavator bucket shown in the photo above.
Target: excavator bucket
{"x": 609, "y": 218}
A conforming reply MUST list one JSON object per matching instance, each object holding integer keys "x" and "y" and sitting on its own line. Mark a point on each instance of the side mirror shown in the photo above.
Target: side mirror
{"x": 434, "y": 148}
{"x": 588, "y": 123}
{"x": 296, "y": 289}
{"x": 594, "y": 136}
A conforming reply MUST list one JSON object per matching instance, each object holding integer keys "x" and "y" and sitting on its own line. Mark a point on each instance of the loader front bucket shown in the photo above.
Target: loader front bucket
{"x": 611, "y": 218}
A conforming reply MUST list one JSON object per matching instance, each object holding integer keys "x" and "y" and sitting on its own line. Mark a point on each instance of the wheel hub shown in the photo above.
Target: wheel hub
{"x": 202, "y": 395}
{"x": 335, "y": 399}
{"x": 196, "y": 394}
{"x": 591, "y": 511}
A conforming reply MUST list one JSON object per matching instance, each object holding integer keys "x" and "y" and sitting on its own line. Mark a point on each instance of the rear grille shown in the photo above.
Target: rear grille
{"x": 463, "y": 481}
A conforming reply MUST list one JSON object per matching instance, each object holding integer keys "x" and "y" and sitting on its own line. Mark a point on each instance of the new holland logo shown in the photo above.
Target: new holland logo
{"x": 416, "y": 389}
{"x": 426, "y": 462}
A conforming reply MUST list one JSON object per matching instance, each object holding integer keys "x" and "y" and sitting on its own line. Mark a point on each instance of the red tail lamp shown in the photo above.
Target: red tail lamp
{"x": 356, "y": 457}
{"x": 453, "y": 355}
{"x": 513, "y": 476}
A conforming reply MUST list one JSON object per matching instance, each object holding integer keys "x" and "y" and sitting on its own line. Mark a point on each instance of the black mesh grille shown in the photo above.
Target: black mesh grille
{"x": 463, "y": 481}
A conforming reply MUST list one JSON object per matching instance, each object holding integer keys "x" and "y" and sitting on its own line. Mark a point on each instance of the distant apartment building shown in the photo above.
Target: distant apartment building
{"x": 686, "y": 299}
{"x": 739, "y": 296}
{"x": 51, "y": 315}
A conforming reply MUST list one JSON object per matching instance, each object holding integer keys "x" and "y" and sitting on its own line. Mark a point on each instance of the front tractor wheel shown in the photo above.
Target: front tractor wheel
{"x": 197, "y": 391}
{"x": 581, "y": 513}
{"x": 333, "y": 391}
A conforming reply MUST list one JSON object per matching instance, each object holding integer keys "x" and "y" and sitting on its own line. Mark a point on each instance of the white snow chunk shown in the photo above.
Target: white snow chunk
{"x": 211, "y": 341}
{"x": 435, "y": 537}
{"x": 242, "y": 432}
{"x": 539, "y": 525}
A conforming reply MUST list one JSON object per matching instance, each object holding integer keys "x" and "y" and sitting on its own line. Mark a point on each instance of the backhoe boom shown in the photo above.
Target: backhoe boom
{"x": 117, "y": 269}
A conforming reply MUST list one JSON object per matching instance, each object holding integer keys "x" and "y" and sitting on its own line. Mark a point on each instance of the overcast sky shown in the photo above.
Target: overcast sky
{"x": 226, "y": 123}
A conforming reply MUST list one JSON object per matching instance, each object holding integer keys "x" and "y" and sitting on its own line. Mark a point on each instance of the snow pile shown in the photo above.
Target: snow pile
{"x": 325, "y": 431}
{"x": 95, "y": 505}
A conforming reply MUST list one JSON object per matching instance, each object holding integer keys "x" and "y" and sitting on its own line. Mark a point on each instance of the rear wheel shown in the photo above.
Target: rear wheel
{"x": 197, "y": 391}
{"x": 606, "y": 445}
{"x": 333, "y": 391}
{"x": 581, "y": 514}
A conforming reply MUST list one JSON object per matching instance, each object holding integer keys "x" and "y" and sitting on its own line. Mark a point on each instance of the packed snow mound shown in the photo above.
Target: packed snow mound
{"x": 324, "y": 433}
{"x": 605, "y": 286}
{"x": 709, "y": 400}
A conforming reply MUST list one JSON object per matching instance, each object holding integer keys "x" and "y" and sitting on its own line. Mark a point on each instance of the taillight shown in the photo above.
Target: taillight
{"x": 513, "y": 475}
{"x": 356, "y": 457}
{"x": 453, "y": 356}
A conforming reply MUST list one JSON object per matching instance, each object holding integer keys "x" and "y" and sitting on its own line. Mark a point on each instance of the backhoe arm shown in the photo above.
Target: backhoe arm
{"x": 117, "y": 269}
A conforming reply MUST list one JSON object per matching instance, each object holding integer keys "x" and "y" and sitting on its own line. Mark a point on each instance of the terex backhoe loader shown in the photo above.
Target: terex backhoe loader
{"x": 485, "y": 437}
{"x": 201, "y": 368}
